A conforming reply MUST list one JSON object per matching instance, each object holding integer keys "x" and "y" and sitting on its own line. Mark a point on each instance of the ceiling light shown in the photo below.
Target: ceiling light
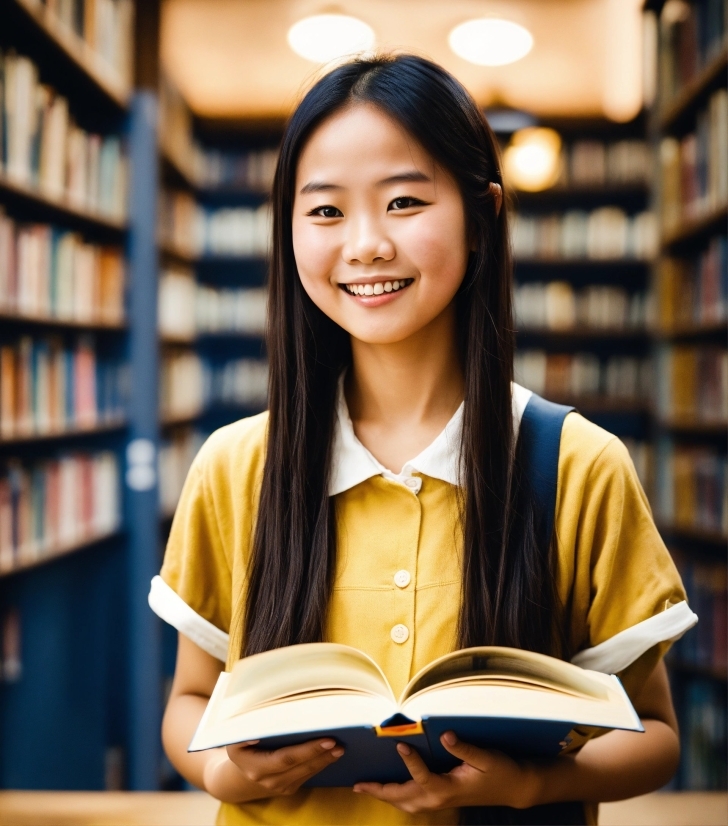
{"x": 532, "y": 160}
{"x": 490, "y": 41}
{"x": 326, "y": 37}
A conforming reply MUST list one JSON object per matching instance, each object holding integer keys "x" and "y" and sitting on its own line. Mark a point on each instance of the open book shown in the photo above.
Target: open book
{"x": 523, "y": 703}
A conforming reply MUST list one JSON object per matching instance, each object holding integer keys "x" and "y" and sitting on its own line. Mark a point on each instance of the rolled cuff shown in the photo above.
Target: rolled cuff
{"x": 169, "y": 606}
{"x": 616, "y": 653}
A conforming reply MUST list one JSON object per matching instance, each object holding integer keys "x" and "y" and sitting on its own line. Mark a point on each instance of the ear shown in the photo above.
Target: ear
{"x": 497, "y": 192}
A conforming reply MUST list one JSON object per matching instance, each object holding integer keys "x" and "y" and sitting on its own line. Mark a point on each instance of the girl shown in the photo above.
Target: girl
{"x": 383, "y": 501}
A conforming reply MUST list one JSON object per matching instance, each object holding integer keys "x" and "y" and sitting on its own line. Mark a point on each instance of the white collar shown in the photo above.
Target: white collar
{"x": 352, "y": 463}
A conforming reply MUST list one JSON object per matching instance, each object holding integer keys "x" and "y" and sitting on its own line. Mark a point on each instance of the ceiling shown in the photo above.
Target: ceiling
{"x": 230, "y": 58}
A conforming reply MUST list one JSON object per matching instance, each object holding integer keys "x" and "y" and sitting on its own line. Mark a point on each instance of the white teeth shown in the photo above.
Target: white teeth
{"x": 388, "y": 287}
{"x": 395, "y": 285}
{"x": 378, "y": 288}
{"x": 368, "y": 289}
{"x": 360, "y": 289}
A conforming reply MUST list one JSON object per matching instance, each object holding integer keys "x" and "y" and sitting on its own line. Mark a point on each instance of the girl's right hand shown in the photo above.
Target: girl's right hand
{"x": 244, "y": 773}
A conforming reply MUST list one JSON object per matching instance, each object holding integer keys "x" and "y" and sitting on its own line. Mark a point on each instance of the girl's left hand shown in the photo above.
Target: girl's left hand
{"x": 485, "y": 778}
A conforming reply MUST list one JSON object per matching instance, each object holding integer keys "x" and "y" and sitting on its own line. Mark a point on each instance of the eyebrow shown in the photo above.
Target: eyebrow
{"x": 411, "y": 176}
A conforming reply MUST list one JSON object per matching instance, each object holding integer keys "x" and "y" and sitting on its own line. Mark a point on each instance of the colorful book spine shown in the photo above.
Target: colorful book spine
{"x": 692, "y": 383}
{"x": 46, "y": 387}
{"x": 178, "y": 221}
{"x": 176, "y": 455}
{"x": 240, "y": 231}
{"x": 50, "y": 507}
{"x": 594, "y": 163}
{"x": 53, "y": 273}
{"x": 252, "y": 170}
{"x": 43, "y": 148}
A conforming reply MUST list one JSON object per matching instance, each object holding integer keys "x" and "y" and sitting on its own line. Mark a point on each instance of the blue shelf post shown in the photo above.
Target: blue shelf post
{"x": 145, "y": 649}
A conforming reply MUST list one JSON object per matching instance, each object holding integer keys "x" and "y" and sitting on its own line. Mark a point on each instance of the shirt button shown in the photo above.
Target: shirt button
{"x": 402, "y": 579}
{"x": 400, "y": 634}
{"x": 413, "y": 483}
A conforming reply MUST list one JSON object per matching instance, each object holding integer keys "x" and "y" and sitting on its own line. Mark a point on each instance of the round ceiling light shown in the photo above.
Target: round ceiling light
{"x": 532, "y": 160}
{"x": 490, "y": 41}
{"x": 326, "y": 37}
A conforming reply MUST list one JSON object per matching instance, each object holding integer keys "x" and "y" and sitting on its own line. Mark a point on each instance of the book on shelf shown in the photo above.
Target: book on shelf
{"x": 252, "y": 170}
{"x": 49, "y": 272}
{"x": 603, "y": 234}
{"x": 505, "y": 698}
{"x": 42, "y": 148}
{"x": 240, "y": 231}
{"x": 48, "y": 507}
{"x": 190, "y": 383}
{"x": 694, "y": 174}
{"x": 11, "y": 663}
{"x": 585, "y": 375}
{"x": 175, "y": 129}
{"x": 690, "y": 36}
{"x": 176, "y": 455}
{"x": 178, "y": 219}
{"x": 702, "y": 720}
{"x": 691, "y": 487}
{"x": 47, "y": 387}
{"x": 595, "y": 163}
{"x": 176, "y": 303}
{"x": 692, "y": 383}
{"x": 693, "y": 291}
{"x": 556, "y": 305}
{"x": 705, "y": 585}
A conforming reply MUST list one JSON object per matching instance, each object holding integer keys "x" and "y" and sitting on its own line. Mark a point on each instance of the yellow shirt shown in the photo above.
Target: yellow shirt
{"x": 396, "y": 592}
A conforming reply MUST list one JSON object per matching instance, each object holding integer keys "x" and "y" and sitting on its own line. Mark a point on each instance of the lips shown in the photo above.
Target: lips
{"x": 377, "y": 287}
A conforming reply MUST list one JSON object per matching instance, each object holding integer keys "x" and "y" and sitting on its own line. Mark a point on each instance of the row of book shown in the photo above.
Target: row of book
{"x": 602, "y": 234}
{"x": 693, "y": 169}
{"x": 46, "y": 387}
{"x": 177, "y": 220}
{"x": 691, "y": 35}
{"x": 50, "y": 506}
{"x": 702, "y": 720}
{"x": 42, "y": 147}
{"x": 691, "y": 292}
{"x": 642, "y": 455}
{"x": 593, "y": 163}
{"x": 190, "y": 384}
{"x": 187, "y": 308}
{"x": 692, "y": 383}
{"x": 252, "y": 170}
{"x": 583, "y": 375}
{"x": 556, "y": 305}
{"x": 692, "y": 487}
{"x": 176, "y": 454}
{"x": 50, "y": 272}
{"x": 705, "y": 584}
{"x": 105, "y": 26}
{"x": 234, "y": 231}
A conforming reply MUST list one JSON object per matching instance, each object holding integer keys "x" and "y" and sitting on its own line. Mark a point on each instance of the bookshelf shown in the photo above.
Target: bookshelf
{"x": 688, "y": 128}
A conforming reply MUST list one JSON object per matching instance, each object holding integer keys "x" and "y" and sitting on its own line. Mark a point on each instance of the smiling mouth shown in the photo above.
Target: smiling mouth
{"x": 377, "y": 288}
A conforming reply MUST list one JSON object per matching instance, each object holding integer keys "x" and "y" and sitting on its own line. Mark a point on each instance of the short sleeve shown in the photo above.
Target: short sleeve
{"x": 629, "y": 603}
{"x": 193, "y": 590}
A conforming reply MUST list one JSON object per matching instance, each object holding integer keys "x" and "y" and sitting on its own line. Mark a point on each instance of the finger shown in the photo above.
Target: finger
{"x": 289, "y": 757}
{"x": 395, "y": 793}
{"x": 415, "y": 764}
{"x": 292, "y": 779}
{"x": 472, "y": 755}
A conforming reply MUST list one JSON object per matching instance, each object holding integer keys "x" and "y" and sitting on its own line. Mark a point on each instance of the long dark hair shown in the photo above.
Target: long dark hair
{"x": 508, "y": 594}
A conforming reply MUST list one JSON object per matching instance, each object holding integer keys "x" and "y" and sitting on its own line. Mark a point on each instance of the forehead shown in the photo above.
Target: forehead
{"x": 358, "y": 140}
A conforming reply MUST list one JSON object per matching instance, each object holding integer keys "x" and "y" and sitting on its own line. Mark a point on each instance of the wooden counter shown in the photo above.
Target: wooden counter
{"x": 198, "y": 809}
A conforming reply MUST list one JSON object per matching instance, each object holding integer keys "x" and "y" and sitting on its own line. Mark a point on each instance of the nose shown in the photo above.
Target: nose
{"x": 367, "y": 242}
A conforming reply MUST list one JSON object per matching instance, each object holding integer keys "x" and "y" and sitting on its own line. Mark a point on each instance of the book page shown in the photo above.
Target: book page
{"x": 301, "y": 669}
{"x": 492, "y": 661}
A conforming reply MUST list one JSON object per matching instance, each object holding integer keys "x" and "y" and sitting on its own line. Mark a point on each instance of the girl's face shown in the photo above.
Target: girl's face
{"x": 379, "y": 229}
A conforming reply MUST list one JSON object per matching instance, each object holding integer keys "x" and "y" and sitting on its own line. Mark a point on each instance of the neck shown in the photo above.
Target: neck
{"x": 411, "y": 382}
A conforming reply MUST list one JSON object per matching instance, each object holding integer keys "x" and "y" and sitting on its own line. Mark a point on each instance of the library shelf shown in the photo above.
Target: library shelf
{"x": 77, "y": 53}
{"x": 689, "y": 534}
{"x": 179, "y": 172}
{"x": 51, "y": 554}
{"x": 181, "y": 419}
{"x": 543, "y": 261}
{"x": 695, "y": 230}
{"x": 686, "y": 425}
{"x": 601, "y": 404}
{"x": 580, "y": 333}
{"x": 56, "y": 207}
{"x": 48, "y": 321}
{"x": 66, "y": 433}
{"x": 575, "y": 195}
{"x": 682, "y": 108}
{"x": 708, "y": 329}
{"x": 709, "y": 672}
{"x": 168, "y": 340}
{"x": 208, "y": 259}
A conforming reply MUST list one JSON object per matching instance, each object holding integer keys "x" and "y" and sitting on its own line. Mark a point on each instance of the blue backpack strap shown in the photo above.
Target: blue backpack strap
{"x": 540, "y": 437}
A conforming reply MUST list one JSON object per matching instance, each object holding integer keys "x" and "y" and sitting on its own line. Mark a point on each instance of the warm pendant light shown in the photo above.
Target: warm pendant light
{"x": 532, "y": 160}
{"x": 326, "y": 37}
{"x": 490, "y": 41}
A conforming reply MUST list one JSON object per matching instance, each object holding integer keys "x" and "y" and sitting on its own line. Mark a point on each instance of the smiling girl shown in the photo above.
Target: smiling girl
{"x": 383, "y": 501}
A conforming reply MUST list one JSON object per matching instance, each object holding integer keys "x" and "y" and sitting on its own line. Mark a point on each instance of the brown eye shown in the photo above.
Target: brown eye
{"x": 404, "y": 203}
{"x": 327, "y": 212}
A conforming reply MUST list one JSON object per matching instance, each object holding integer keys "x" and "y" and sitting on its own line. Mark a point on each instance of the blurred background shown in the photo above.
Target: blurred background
{"x": 137, "y": 146}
